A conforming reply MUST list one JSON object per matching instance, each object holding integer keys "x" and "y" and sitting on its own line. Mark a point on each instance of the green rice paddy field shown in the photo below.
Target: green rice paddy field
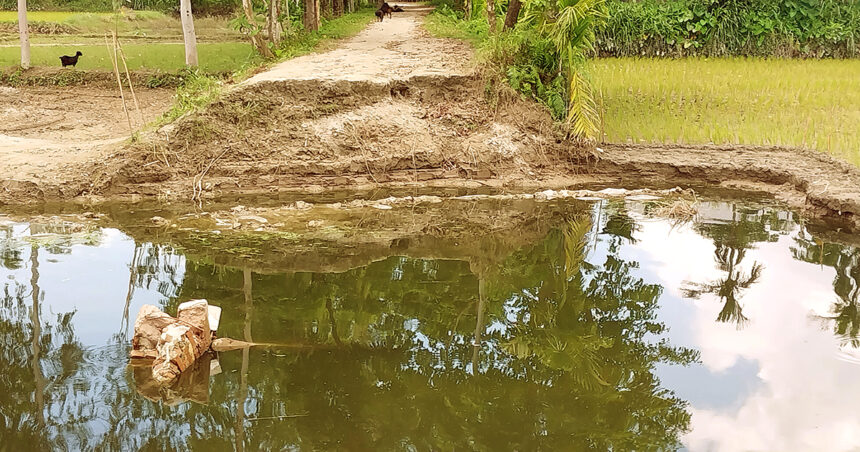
{"x": 808, "y": 103}
{"x": 48, "y": 16}
{"x": 214, "y": 57}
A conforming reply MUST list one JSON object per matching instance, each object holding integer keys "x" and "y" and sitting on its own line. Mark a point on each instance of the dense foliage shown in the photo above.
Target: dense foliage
{"x": 808, "y": 28}
{"x": 541, "y": 55}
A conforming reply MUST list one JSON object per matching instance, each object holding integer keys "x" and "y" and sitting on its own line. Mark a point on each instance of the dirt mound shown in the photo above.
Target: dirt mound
{"x": 51, "y": 139}
{"x": 807, "y": 179}
{"x": 392, "y": 103}
{"x": 276, "y": 134}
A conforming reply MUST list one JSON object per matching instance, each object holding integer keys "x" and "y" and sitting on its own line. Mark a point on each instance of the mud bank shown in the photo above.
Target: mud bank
{"x": 396, "y": 108}
{"x": 316, "y": 136}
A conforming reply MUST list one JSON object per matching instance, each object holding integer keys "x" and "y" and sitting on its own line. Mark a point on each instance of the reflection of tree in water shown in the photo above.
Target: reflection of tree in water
{"x": 382, "y": 357}
{"x": 10, "y": 252}
{"x": 846, "y": 261}
{"x": 152, "y": 266}
{"x": 732, "y": 239}
{"x": 57, "y": 395}
{"x": 38, "y": 358}
{"x": 730, "y": 287}
{"x": 563, "y": 346}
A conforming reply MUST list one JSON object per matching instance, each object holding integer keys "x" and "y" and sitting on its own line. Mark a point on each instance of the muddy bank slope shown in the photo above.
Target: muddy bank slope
{"x": 395, "y": 107}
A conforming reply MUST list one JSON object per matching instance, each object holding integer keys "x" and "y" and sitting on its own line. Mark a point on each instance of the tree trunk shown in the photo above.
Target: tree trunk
{"x": 256, "y": 38}
{"x": 273, "y": 24}
{"x": 311, "y": 18}
{"x": 468, "y": 9}
{"x": 350, "y": 5}
{"x": 25, "y": 35}
{"x": 491, "y": 15}
{"x": 513, "y": 14}
{"x": 337, "y": 7}
{"x": 317, "y": 16}
{"x": 188, "y": 33}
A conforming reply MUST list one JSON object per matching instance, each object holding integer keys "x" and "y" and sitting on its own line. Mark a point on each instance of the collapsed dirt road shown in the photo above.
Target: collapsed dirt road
{"x": 390, "y": 107}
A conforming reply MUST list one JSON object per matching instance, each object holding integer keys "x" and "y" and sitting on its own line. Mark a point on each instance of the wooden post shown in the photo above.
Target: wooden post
{"x": 24, "y": 33}
{"x": 188, "y": 33}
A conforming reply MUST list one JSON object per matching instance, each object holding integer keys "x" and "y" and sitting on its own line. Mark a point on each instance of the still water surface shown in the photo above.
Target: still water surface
{"x": 585, "y": 325}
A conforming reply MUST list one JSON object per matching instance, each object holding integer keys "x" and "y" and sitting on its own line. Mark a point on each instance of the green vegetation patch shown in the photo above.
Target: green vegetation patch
{"x": 807, "y": 103}
{"x": 214, "y": 57}
{"x": 48, "y": 16}
{"x": 808, "y": 28}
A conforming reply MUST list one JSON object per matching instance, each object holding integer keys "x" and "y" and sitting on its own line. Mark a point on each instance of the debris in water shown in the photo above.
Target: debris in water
{"x": 174, "y": 344}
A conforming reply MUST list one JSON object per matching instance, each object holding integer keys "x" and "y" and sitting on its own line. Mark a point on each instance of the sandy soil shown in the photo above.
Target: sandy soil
{"x": 390, "y": 107}
{"x": 48, "y": 133}
{"x": 394, "y": 49}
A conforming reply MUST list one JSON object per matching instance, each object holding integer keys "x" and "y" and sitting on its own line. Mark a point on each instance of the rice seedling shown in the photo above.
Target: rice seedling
{"x": 805, "y": 103}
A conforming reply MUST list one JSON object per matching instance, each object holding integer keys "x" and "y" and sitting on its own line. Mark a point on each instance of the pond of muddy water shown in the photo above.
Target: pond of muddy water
{"x": 454, "y": 325}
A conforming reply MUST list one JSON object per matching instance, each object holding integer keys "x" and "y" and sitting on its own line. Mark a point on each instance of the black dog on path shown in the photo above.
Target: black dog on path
{"x": 383, "y": 10}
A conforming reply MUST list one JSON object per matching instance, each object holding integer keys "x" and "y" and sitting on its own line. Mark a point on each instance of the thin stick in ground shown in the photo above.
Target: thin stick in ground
{"x": 112, "y": 53}
{"x": 130, "y": 85}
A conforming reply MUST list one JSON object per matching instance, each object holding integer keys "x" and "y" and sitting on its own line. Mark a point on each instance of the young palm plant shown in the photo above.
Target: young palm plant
{"x": 570, "y": 25}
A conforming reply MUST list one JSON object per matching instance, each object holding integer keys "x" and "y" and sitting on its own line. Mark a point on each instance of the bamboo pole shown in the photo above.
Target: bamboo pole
{"x": 112, "y": 53}
{"x": 130, "y": 85}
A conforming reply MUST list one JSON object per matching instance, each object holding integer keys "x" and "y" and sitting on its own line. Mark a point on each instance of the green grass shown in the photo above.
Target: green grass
{"x": 806, "y": 103}
{"x": 214, "y": 57}
{"x": 447, "y": 25}
{"x": 339, "y": 28}
{"x": 128, "y": 24}
{"x": 48, "y": 16}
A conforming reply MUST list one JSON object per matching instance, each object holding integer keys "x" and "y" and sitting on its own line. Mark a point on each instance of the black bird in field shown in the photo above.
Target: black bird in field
{"x": 70, "y": 60}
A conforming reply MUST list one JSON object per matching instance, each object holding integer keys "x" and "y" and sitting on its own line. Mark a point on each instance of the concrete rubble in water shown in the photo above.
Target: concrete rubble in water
{"x": 174, "y": 344}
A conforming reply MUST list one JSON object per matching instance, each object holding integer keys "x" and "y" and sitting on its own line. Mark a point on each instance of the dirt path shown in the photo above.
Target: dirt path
{"x": 394, "y": 49}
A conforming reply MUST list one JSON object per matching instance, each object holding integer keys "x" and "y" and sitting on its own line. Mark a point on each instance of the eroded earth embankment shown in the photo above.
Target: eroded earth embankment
{"x": 395, "y": 107}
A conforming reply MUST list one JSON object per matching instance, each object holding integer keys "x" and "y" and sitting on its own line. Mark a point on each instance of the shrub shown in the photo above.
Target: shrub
{"x": 808, "y": 28}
